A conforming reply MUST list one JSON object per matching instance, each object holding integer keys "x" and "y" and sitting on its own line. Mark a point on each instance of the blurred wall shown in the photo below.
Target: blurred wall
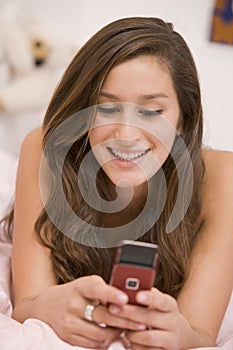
{"x": 192, "y": 19}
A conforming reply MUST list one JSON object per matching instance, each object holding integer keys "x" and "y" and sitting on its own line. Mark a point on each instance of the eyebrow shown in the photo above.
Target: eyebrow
{"x": 142, "y": 97}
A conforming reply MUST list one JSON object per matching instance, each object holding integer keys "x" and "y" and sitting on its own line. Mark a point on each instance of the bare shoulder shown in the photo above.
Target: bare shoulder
{"x": 33, "y": 138}
{"x": 30, "y": 155}
{"x": 213, "y": 158}
{"x": 218, "y": 189}
{"x": 31, "y": 149}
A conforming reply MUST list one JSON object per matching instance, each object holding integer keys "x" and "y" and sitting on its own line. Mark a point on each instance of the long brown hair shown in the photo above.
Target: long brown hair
{"x": 79, "y": 89}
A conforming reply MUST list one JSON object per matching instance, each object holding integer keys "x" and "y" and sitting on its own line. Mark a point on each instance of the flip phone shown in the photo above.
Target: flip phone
{"x": 134, "y": 268}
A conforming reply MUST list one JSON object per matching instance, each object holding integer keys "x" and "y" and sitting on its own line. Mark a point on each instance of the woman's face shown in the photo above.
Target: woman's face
{"x": 136, "y": 121}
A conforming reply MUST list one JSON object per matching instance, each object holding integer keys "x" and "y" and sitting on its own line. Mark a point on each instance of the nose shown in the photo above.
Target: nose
{"x": 128, "y": 131}
{"x": 39, "y": 62}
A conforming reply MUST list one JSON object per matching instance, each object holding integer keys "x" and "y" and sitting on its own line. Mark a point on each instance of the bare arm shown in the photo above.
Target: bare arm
{"x": 205, "y": 295}
{"x": 31, "y": 265}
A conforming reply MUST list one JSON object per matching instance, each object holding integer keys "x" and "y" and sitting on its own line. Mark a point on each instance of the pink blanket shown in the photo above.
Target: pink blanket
{"x": 34, "y": 334}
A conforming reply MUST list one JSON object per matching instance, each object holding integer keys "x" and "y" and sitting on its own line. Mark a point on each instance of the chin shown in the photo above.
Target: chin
{"x": 129, "y": 181}
{"x": 130, "y": 178}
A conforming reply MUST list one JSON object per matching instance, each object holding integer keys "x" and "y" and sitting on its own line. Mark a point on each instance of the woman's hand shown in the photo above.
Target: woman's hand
{"x": 165, "y": 325}
{"x": 63, "y": 308}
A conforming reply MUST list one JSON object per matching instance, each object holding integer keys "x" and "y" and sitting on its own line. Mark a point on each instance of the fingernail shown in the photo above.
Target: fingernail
{"x": 114, "y": 309}
{"x": 142, "y": 297}
{"x": 122, "y": 298}
{"x": 140, "y": 327}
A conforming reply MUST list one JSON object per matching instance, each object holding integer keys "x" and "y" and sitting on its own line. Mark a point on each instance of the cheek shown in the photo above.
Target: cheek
{"x": 96, "y": 136}
{"x": 160, "y": 150}
{"x": 93, "y": 138}
{"x": 97, "y": 139}
{"x": 99, "y": 134}
{"x": 162, "y": 135}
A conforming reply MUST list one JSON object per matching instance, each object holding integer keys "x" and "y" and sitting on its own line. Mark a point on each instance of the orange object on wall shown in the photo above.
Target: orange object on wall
{"x": 222, "y": 22}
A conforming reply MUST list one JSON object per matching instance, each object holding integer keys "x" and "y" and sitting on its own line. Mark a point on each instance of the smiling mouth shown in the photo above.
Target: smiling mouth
{"x": 130, "y": 157}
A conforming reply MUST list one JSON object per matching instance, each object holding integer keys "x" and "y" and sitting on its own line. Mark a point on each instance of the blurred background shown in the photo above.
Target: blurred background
{"x": 72, "y": 22}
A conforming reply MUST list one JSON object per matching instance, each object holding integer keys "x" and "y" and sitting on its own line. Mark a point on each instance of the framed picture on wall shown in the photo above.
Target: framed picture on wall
{"x": 222, "y": 22}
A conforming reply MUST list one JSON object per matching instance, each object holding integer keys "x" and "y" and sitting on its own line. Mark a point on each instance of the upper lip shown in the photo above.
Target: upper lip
{"x": 128, "y": 150}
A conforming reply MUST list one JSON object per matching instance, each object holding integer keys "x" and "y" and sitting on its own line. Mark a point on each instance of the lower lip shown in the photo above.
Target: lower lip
{"x": 127, "y": 163}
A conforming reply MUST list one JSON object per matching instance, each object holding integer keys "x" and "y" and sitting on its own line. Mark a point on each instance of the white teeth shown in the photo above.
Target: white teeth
{"x": 127, "y": 156}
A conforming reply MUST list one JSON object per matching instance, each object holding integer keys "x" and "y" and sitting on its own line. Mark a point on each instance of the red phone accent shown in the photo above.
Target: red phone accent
{"x": 135, "y": 267}
{"x": 131, "y": 279}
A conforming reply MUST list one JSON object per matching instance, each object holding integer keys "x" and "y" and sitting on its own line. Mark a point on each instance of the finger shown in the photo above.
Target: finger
{"x": 93, "y": 330}
{"x": 79, "y": 340}
{"x": 95, "y": 288}
{"x": 155, "y": 299}
{"x": 145, "y": 316}
{"x": 141, "y": 347}
{"x": 153, "y": 338}
{"x": 101, "y": 314}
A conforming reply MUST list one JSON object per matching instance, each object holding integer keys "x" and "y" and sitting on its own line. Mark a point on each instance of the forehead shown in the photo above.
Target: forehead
{"x": 140, "y": 65}
{"x": 143, "y": 75}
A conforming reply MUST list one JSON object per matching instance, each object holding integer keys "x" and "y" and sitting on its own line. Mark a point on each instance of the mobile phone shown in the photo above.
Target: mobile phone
{"x": 134, "y": 267}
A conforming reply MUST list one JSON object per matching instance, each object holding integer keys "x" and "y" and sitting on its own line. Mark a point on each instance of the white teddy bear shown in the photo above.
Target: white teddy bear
{"x": 33, "y": 54}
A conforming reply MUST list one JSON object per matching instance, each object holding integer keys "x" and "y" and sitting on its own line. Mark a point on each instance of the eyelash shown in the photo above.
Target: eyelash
{"x": 108, "y": 110}
{"x": 150, "y": 113}
{"x": 143, "y": 112}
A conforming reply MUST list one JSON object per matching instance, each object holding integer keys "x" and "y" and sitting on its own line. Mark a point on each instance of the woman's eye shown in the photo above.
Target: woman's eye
{"x": 108, "y": 110}
{"x": 150, "y": 113}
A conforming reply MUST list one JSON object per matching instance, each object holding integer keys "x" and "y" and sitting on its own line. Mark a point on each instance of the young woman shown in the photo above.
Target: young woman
{"x": 120, "y": 155}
